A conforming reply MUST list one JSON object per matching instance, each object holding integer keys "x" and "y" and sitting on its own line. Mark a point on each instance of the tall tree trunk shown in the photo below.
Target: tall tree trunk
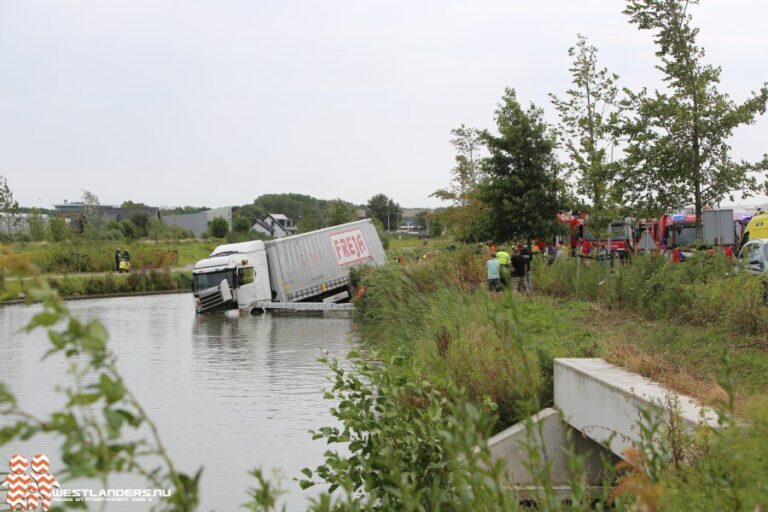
{"x": 697, "y": 202}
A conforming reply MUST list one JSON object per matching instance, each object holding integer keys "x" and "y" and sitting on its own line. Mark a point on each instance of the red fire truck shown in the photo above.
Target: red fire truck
{"x": 621, "y": 235}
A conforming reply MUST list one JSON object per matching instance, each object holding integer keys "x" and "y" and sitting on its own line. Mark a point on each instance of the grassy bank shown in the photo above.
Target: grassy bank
{"x": 703, "y": 291}
{"x": 676, "y": 323}
{"x": 437, "y": 314}
{"x": 83, "y": 256}
{"x": 108, "y": 284}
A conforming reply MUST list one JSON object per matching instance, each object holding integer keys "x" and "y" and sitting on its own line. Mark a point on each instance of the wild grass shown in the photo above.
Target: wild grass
{"x": 83, "y": 256}
{"x": 731, "y": 475}
{"x": 107, "y": 284}
{"x": 703, "y": 291}
{"x": 674, "y": 323}
{"x": 438, "y": 311}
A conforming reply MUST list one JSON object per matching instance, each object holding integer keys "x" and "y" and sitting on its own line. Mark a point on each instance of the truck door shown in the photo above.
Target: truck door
{"x": 751, "y": 255}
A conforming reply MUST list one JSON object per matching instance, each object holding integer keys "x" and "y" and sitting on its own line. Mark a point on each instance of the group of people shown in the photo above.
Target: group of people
{"x": 504, "y": 269}
{"x": 122, "y": 261}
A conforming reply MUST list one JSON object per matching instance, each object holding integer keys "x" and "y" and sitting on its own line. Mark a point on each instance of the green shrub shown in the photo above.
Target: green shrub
{"x": 733, "y": 473}
{"x": 700, "y": 291}
{"x": 439, "y": 312}
{"x": 408, "y": 445}
{"x": 124, "y": 283}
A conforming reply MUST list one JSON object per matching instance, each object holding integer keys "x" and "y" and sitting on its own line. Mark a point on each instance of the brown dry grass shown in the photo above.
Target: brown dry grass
{"x": 620, "y": 331}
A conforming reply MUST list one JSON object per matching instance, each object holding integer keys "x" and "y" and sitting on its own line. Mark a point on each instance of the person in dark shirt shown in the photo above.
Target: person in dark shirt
{"x": 526, "y": 252}
{"x": 520, "y": 267}
{"x": 117, "y": 260}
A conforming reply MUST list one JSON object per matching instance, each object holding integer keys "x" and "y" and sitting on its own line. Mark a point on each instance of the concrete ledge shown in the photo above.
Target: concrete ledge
{"x": 556, "y": 441}
{"x": 604, "y": 401}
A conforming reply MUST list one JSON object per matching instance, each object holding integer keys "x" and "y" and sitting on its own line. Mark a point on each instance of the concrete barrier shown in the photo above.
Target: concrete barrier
{"x": 597, "y": 404}
{"x": 553, "y": 439}
{"x": 604, "y": 401}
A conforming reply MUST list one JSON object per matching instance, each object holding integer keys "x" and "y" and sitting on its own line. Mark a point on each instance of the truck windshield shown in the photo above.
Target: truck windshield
{"x": 618, "y": 232}
{"x": 211, "y": 279}
{"x": 686, "y": 237}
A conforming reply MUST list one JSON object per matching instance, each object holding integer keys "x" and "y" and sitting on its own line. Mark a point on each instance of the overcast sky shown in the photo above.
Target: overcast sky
{"x": 216, "y": 102}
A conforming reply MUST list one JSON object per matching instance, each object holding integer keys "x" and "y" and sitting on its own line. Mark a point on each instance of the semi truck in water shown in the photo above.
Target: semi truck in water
{"x": 310, "y": 267}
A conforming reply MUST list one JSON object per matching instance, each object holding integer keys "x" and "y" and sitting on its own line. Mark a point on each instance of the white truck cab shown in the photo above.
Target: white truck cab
{"x": 309, "y": 267}
{"x": 754, "y": 256}
{"x": 233, "y": 275}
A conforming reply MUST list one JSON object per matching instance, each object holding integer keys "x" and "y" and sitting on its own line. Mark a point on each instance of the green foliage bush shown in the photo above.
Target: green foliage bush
{"x": 438, "y": 312}
{"x": 702, "y": 290}
{"x": 74, "y": 256}
{"x": 130, "y": 283}
{"x": 407, "y": 444}
{"x": 218, "y": 227}
{"x": 732, "y": 474}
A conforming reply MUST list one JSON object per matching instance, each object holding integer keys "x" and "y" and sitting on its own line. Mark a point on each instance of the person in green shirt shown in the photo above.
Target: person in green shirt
{"x": 504, "y": 258}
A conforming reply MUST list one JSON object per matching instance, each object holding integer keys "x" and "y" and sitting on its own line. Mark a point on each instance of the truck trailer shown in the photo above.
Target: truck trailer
{"x": 310, "y": 267}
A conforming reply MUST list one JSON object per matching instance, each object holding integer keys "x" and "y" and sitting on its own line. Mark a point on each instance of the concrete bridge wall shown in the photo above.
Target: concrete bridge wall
{"x": 596, "y": 415}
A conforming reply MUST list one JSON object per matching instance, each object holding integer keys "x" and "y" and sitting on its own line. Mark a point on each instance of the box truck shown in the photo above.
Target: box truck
{"x": 310, "y": 267}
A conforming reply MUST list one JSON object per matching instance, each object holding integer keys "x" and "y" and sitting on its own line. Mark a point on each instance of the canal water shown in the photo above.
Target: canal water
{"x": 228, "y": 393}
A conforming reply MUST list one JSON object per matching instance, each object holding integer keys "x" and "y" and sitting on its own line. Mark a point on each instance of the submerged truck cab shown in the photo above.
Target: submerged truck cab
{"x": 233, "y": 274}
{"x": 310, "y": 267}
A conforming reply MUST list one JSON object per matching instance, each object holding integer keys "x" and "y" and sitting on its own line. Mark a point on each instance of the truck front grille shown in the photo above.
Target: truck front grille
{"x": 210, "y": 300}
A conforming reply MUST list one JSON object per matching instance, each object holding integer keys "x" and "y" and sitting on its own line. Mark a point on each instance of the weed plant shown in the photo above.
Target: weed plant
{"x": 704, "y": 291}
{"x": 85, "y": 256}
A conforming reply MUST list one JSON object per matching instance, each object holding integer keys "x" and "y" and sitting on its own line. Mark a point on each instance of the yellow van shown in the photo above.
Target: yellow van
{"x": 757, "y": 229}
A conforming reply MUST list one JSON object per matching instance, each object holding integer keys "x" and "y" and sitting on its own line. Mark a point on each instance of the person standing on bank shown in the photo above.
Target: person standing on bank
{"x": 520, "y": 264}
{"x": 503, "y": 256}
{"x": 117, "y": 260}
{"x": 526, "y": 253}
{"x": 494, "y": 277}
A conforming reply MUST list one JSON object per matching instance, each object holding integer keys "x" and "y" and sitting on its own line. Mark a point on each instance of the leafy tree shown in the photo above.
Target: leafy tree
{"x": 310, "y": 220}
{"x": 308, "y": 212}
{"x": 293, "y": 206}
{"x": 141, "y": 222}
{"x": 522, "y": 187}
{"x": 429, "y": 223}
{"x": 128, "y": 229}
{"x": 340, "y": 212}
{"x": 678, "y": 150}
{"x": 58, "y": 229}
{"x": 241, "y": 224}
{"x": 218, "y": 227}
{"x": 156, "y": 229}
{"x": 590, "y": 116}
{"x": 9, "y": 207}
{"x": 250, "y": 212}
{"x": 180, "y": 210}
{"x": 385, "y": 209}
{"x": 465, "y": 216}
{"x": 131, "y": 204}
{"x": 93, "y": 227}
{"x": 37, "y": 226}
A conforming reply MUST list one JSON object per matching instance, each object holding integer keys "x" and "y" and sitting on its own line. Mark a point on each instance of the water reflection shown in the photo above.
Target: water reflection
{"x": 229, "y": 393}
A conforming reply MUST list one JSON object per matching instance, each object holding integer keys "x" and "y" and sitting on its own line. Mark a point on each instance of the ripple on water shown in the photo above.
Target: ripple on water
{"x": 228, "y": 393}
